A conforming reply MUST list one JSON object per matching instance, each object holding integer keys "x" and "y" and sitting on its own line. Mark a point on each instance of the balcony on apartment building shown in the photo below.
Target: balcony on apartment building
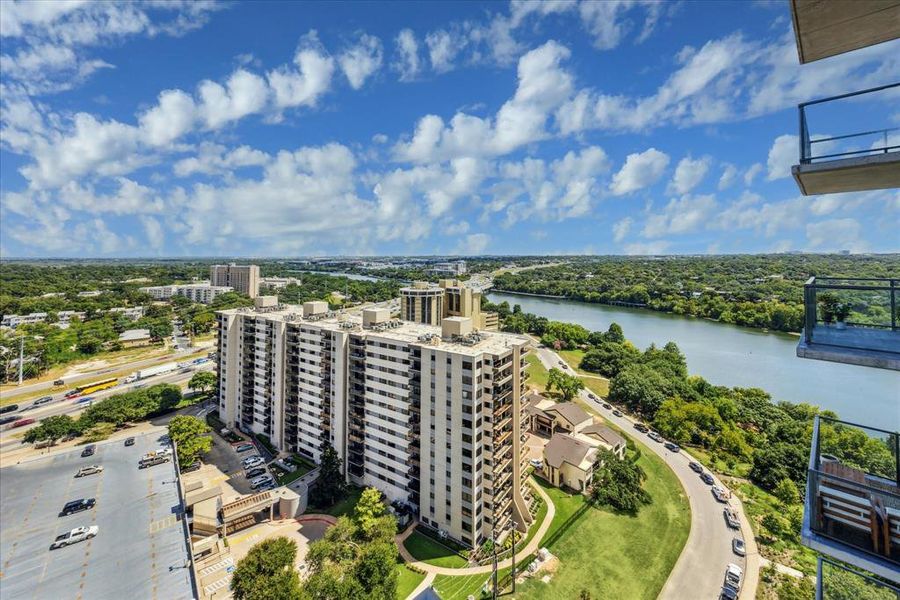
{"x": 834, "y": 579}
{"x": 851, "y": 147}
{"x": 853, "y": 514}
{"x": 853, "y": 321}
{"x": 825, "y": 28}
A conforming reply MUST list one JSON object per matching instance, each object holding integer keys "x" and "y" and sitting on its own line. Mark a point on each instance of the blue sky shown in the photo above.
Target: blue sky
{"x": 289, "y": 129}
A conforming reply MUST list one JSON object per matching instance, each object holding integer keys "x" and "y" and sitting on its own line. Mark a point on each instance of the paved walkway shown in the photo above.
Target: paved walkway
{"x": 523, "y": 553}
{"x": 700, "y": 569}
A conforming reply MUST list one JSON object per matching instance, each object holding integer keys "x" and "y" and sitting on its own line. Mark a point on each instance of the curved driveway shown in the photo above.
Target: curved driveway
{"x": 700, "y": 570}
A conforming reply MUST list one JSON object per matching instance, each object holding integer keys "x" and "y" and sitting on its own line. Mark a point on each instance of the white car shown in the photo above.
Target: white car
{"x": 79, "y": 534}
{"x": 261, "y": 481}
{"x": 253, "y": 461}
{"x": 91, "y": 470}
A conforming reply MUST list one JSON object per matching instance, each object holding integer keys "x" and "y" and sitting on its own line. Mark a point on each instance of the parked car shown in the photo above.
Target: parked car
{"x": 244, "y": 447}
{"x": 607, "y": 406}
{"x": 728, "y": 593}
{"x": 673, "y": 447}
{"x": 721, "y": 494}
{"x": 261, "y": 481}
{"x": 77, "y": 506}
{"x": 79, "y": 534}
{"x": 617, "y": 412}
{"x": 194, "y": 466}
{"x": 536, "y": 463}
{"x": 255, "y": 472}
{"x": 129, "y": 441}
{"x": 695, "y": 466}
{"x": 89, "y": 450}
{"x": 22, "y": 422}
{"x": 252, "y": 461}
{"x": 9, "y": 408}
{"x": 731, "y": 517}
{"x": 91, "y": 470}
{"x": 42, "y": 401}
{"x": 267, "y": 486}
{"x": 152, "y": 461}
{"x": 707, "y": 478}
{"x": 592, "y": 397}
{"x": 734, "y": 576}
{"x": 655, "y": 437}
{"x": 641, "y": 427}
{"x": 738, "y": 547}
{"x": 8, "y": 419}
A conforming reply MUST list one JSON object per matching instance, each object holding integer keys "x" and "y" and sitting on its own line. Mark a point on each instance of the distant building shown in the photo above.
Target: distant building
{"x": 132, "y": 312}
{"x": 89, "y": 294}
{"x": 453, "y": 269}
{"x": 279, "y": 282}
{"x": 243, "y": 278}
{"x": 14, "y": 321}
{"x": 196, "y": 292}
{"x": 133, "y": 338}
{"x": 429, "y": 304}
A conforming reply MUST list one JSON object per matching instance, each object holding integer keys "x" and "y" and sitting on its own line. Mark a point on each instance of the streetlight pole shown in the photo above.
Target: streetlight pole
{"x": 21, "y": 357}
{"x": 513, "y": 556}
{"x": 494, "y": 550}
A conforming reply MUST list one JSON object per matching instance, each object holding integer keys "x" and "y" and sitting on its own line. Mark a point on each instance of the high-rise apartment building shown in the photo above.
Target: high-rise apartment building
{"x": 425, "y": 303}
{"x": 243, "y": 278}
{"x": 431, "y": 416}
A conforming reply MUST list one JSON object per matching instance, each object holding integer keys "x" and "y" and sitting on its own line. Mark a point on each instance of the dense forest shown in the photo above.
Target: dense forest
{"x": 763, "y": 291}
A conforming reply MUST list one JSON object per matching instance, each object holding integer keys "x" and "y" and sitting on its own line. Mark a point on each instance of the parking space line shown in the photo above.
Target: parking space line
{"x": 216, "y": 585}
{"x": 56, "y": 530}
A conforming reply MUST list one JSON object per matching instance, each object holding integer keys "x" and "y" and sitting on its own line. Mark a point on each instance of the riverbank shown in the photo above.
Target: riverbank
{"x": 735, "y": 356}
{"x": 643, "y": 307}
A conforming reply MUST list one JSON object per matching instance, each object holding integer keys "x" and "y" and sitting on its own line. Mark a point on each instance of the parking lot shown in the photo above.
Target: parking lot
{"x": 140, "y": 550}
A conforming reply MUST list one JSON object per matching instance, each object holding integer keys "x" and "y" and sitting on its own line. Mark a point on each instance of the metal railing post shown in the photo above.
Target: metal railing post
{"x": 809, "y": 306}
{"x": 893, "y": 305}
{"x": 820, "y": 583}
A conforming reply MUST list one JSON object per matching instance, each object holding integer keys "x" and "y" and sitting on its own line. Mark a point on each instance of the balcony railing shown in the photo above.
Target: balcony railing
{"x": 864, "y": 159}
{"x": 834, "y": 581}
{"x": 853, "y": 513}
{"x": 852, "y": 320}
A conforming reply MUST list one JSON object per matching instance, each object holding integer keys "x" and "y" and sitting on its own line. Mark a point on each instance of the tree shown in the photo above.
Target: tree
{"x": 786, "y": 491}
{"x": 372, "y": 519}
{"x": 609, "y": 358}
{"x": 51, "y": 429}
{"x": 189, "y": 435}
{"x": 203, "y": 381}
{"x": 267, "y": 572}
{"x": 619, "y": 483}
{"x": 330, "y": 484}
{"x": 568, "y": 385}
{"x": 639, "y": 387}
{"x": 615, "y": 333}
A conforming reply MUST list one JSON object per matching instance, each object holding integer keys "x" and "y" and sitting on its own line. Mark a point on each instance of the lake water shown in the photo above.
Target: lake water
{"x": 741, "y": 357}
{"x": 347, "y": 275}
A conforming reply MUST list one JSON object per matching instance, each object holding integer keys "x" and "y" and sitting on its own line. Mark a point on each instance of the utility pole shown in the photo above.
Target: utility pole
{"x": 21, "y": 357}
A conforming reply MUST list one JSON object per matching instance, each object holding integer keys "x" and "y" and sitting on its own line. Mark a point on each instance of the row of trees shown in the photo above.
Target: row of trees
{"x": 104, "y": 416}
{"x": 763, "y": 291}
{"x": 356, "y": 558}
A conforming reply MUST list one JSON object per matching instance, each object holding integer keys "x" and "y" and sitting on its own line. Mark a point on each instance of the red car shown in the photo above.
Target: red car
{"x": 22, "y": 422}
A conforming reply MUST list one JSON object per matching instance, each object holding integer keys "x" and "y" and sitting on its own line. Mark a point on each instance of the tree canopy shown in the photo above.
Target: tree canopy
{"x": 567, "y": 385}
{"x": 189, "y": 434}
{"x": 619, "y": 483}
{"x": 267, "y": 572}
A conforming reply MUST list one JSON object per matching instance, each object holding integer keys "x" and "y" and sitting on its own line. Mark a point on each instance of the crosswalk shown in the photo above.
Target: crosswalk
{"x": 222, "y": 564}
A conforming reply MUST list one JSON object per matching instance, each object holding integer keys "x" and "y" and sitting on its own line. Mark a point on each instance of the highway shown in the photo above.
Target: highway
{"x": 63, "y": 406}
{"x": 699, "y": 571}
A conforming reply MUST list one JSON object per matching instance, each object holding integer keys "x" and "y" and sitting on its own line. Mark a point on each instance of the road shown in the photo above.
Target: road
{"x": 700, "y": 569}
{"x": 72, "y": 380}
{"x": 63, "y": 406}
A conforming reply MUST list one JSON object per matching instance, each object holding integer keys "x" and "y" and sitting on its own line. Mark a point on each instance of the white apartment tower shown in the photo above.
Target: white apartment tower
{"x": 431, "y": 416}
{"x": 243, "y": 278}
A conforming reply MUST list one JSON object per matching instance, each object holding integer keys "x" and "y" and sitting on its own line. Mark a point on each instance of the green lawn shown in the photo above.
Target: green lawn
{"x": 342, "y": 507}
{"x": 455, "y": 587}
{"x": 407, "y": 581}
{"x": 433, "y": 552}
{"x": 537, "y": 373}
{"x": 301, "y": 470}
{"x": 615, "y": 555}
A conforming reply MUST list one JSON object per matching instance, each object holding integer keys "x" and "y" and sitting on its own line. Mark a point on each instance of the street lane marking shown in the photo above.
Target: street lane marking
{"x": 226, "y": 562}
{"x": 163, "y": 523}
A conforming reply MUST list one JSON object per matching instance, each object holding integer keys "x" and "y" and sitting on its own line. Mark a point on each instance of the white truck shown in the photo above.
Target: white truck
{"x": 151, "y": 371}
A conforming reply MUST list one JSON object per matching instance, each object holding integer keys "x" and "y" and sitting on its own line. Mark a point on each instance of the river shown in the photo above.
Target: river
{"x": 741, "y": 357}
